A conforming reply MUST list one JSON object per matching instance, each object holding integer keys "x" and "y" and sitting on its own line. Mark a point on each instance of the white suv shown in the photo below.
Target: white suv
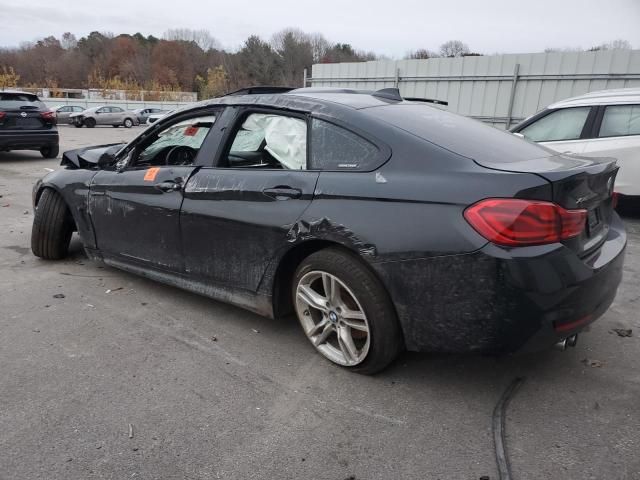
{"x": 597, "y": 124}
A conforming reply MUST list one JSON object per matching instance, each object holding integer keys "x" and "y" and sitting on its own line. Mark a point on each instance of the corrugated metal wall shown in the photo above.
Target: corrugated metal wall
{"x": 498, "y": 89}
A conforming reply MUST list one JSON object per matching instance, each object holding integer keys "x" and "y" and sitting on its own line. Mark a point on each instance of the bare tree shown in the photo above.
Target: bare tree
{"x": 422, "y": 53}
{"x": 202, "y": 37}
{"x": 454, "y": 48}
{"x": 619, "y": 44}
{"x": 68, "y": 41}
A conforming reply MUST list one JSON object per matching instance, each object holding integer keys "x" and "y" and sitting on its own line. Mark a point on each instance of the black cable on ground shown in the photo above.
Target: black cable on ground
{"x": 499, "y": 435}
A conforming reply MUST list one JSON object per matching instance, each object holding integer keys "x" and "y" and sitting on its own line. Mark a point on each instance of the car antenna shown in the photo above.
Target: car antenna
{"x": 388, "y": 93}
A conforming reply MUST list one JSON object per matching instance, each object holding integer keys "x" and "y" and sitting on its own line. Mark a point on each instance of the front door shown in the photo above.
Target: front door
{"x": 135, "y": 209}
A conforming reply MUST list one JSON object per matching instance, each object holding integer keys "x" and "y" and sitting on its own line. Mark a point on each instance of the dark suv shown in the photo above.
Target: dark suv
{"x": 27, "y": 124}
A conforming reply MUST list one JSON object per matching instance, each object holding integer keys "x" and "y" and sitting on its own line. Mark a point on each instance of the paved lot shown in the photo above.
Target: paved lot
{"x": 258, "y": 403}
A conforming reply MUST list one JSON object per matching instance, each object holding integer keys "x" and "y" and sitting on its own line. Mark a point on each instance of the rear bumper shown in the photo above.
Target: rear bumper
{"x": 498, "y": 300}
{"x": 28, "y": 140}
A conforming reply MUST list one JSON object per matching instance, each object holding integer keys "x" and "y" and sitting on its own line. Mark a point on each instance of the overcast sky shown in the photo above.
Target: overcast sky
{"x": 389, "y": 27}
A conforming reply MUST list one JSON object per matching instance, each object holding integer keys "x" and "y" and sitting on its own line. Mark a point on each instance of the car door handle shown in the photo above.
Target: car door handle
{"x": 169, "y": 186}
{"x": 282, "y": 192}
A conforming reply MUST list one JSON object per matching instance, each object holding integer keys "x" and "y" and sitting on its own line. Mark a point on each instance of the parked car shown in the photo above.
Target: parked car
{"x": 154, "y": 117}
{"x": 27, "y": 124}
{"x": 604, "y": 123}
{"x": 382, "y": 224}
{"x": 143, "y": 113}
{"x": 63, "y": 113}
{"x": 106, "y": 115}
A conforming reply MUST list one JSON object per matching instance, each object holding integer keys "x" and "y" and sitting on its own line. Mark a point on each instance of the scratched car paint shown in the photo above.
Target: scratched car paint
{"x": 354, "y": 213}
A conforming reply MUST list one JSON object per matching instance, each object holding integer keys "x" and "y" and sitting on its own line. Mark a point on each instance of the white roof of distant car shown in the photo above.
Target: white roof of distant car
{"x": 601, "y": 97}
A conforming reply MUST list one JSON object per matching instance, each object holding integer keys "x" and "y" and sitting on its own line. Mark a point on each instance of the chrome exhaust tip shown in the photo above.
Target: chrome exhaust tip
{"x": 567, "y": 342}
{"x": 561, "y": 345}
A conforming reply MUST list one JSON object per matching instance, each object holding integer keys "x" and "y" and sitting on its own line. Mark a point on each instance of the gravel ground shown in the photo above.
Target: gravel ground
{"x": 257, "y": 403}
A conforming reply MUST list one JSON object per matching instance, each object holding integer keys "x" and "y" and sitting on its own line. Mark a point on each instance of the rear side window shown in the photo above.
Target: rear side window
{"x": 336, "y": 148}
{"x": 565, "y": 124}
{"x": 620, "y": 120}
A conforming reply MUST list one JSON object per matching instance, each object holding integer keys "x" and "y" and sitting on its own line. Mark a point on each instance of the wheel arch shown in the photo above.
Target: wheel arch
{"x": 288, "y": 264}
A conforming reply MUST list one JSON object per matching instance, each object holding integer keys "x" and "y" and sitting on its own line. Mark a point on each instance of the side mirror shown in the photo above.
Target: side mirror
{"x": 106, "y": 160}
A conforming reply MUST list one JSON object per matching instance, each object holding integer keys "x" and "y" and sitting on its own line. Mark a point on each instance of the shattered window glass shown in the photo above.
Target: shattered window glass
{"x": 188, "y": 133}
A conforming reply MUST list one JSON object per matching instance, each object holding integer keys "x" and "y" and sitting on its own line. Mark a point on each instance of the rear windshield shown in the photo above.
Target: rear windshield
{"x": 18, "y": 100}
{"x": 458, "y": 134}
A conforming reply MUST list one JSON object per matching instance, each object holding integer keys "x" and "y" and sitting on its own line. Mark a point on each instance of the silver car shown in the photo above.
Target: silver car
{"x": 63, "y": 113}
{"x": 106, "y": 115}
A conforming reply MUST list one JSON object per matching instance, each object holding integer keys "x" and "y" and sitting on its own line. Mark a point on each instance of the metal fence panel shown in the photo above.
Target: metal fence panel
{"x": 498, "y": 89}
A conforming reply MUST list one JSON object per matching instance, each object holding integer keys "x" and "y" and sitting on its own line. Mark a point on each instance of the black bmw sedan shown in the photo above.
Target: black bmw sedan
{"x": 381, "y": 224}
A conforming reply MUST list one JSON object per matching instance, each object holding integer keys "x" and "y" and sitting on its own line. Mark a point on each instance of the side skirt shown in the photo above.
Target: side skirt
{"x": 254, "y": 302}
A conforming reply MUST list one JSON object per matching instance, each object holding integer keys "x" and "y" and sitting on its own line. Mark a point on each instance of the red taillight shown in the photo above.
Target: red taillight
{"x": 615, "y": 198}
{"x": 514, "y": 222}
{"x": 2, "y": 115}
{"x": 48, "y": 115}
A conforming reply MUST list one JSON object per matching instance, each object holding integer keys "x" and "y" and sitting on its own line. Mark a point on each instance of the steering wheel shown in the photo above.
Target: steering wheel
{"x": 180, "y": 155}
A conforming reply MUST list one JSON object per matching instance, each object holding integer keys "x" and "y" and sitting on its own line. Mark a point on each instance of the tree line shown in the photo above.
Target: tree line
{"x": 182, "y": 60}
{"x": 187, "y": 60}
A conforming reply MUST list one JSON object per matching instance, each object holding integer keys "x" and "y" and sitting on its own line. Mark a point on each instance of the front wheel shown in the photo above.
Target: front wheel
{"x": 346, "y": 312}
{"x": 128, "y": 123}
{"x": 52, "y": 227}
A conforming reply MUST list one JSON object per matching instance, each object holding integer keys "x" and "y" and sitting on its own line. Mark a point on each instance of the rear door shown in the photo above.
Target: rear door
{"x": 618, "y": 136}
{"x": 135, "y": 208}
{"x": 236, "y": 216}
{"x": 563, "y": 130}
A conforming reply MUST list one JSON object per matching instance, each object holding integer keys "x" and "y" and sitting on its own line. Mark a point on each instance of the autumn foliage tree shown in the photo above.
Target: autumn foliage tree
{"x": 183, "y": 59}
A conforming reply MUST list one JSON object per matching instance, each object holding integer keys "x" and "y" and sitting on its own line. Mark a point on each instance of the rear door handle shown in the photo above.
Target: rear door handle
{"x": 169, "y": 186}
{"x": 282, "y": 192}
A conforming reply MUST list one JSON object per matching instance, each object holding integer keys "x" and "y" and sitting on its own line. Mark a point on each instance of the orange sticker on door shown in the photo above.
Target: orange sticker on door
{"x": 151, "y": 174}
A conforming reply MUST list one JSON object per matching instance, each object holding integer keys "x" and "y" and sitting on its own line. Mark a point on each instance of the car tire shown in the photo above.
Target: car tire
{"x": 128, "y": 123}
{"x": 360, "y": 311}
{"x": 77, "y": 124}
{"x": 52, "y": 227}
{"x": 50, "y": 152}
{"x": 90, "y": 122}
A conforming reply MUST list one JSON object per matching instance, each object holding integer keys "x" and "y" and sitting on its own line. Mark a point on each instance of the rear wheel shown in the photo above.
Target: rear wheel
{"x": 50, "y": 152}
{"x": 128, "y": 123}
{"x": 90, "y": 122}
{"x": 345, "y": 311}
{"x": 52, "y": 227}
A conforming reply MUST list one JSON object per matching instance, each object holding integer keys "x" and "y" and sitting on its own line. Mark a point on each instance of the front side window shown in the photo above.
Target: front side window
{"x": 564, "y": 124}
{"x": 620, "y": 120}
{"x": 266, "y": 140}
{"x": 176, "y": 144}
{"x": 335, "y": 148}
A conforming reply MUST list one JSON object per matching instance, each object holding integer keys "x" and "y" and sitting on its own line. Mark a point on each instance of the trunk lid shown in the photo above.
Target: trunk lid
{"x": 576, "y": 183}
{"x": 23, "y": 119}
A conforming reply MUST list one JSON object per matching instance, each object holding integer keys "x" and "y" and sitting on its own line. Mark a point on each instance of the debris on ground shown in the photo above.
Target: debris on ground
{"x": 592, "y": 363}
{"x": 623, "y": 332}
{"x": 7, "y": 205}
{"x": 255, "y": 330}
{"x": 113, "y": 290}
{"x": 59, "y": 295}
{"x": 26, "y": 212}
{"x": 130, "y": 430}
{"x": 214, "y": 339}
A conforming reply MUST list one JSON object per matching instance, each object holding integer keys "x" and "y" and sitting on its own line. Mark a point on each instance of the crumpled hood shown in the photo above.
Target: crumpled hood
{"x": 89, "y": 157}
